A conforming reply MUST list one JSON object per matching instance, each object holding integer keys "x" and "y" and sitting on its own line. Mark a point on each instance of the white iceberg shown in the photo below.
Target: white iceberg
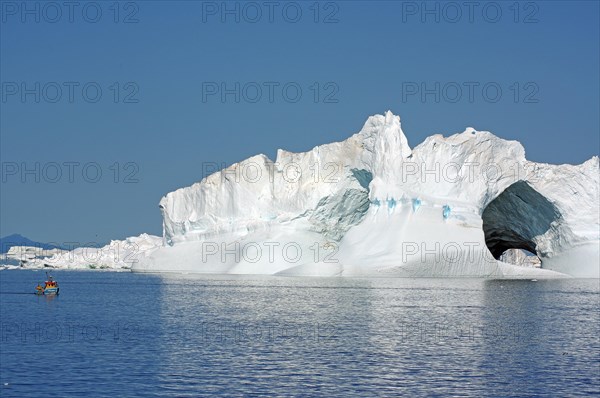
{"x": 371, "y": 205}
{"x": 117, "y": 255}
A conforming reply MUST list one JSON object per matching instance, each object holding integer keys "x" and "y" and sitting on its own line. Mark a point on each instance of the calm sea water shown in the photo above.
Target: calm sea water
{"x": 124, "y": 334}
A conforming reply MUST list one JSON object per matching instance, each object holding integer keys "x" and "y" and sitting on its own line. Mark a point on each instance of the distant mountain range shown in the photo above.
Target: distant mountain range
{"x": 19, "y": 240}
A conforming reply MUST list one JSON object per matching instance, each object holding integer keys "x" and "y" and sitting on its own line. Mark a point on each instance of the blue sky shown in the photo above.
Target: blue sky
{"x": 134, "y": 93}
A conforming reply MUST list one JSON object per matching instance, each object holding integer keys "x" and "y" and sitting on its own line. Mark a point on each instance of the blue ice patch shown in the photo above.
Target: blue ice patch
{"x": 391, "y": 203}
{"x": 446, "y": 211}
{"x": 416, "y": 204}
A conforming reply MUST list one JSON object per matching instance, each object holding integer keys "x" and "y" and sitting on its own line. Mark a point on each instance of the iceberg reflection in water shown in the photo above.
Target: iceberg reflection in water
{"x": 201, "y": 335}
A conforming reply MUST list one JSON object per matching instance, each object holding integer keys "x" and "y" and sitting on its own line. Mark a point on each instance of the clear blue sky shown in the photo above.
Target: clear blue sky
{"x": 165, "y": 122}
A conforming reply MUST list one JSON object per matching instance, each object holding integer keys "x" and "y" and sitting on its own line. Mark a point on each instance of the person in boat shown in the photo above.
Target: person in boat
{"x": 39, "y": 288}
{"x": 50, "y": 282}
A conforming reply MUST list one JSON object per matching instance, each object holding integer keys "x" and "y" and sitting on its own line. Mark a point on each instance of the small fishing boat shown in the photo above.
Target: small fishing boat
{"x": 50, "y": 287}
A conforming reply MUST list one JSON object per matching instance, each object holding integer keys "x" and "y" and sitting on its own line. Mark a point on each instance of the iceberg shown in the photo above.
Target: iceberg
{"x": 117, "y": 255}
{"x": 373, "y": 206}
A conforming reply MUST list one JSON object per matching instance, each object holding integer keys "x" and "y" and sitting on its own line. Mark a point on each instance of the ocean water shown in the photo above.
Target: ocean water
{"x": 125, "y": 334}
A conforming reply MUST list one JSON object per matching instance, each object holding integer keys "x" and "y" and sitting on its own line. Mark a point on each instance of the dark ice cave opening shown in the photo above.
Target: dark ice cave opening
{"x": 514, "y": 218}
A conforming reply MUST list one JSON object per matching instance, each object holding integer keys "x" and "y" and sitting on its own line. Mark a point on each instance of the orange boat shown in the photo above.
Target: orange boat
{"x": 50, "y": 287}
